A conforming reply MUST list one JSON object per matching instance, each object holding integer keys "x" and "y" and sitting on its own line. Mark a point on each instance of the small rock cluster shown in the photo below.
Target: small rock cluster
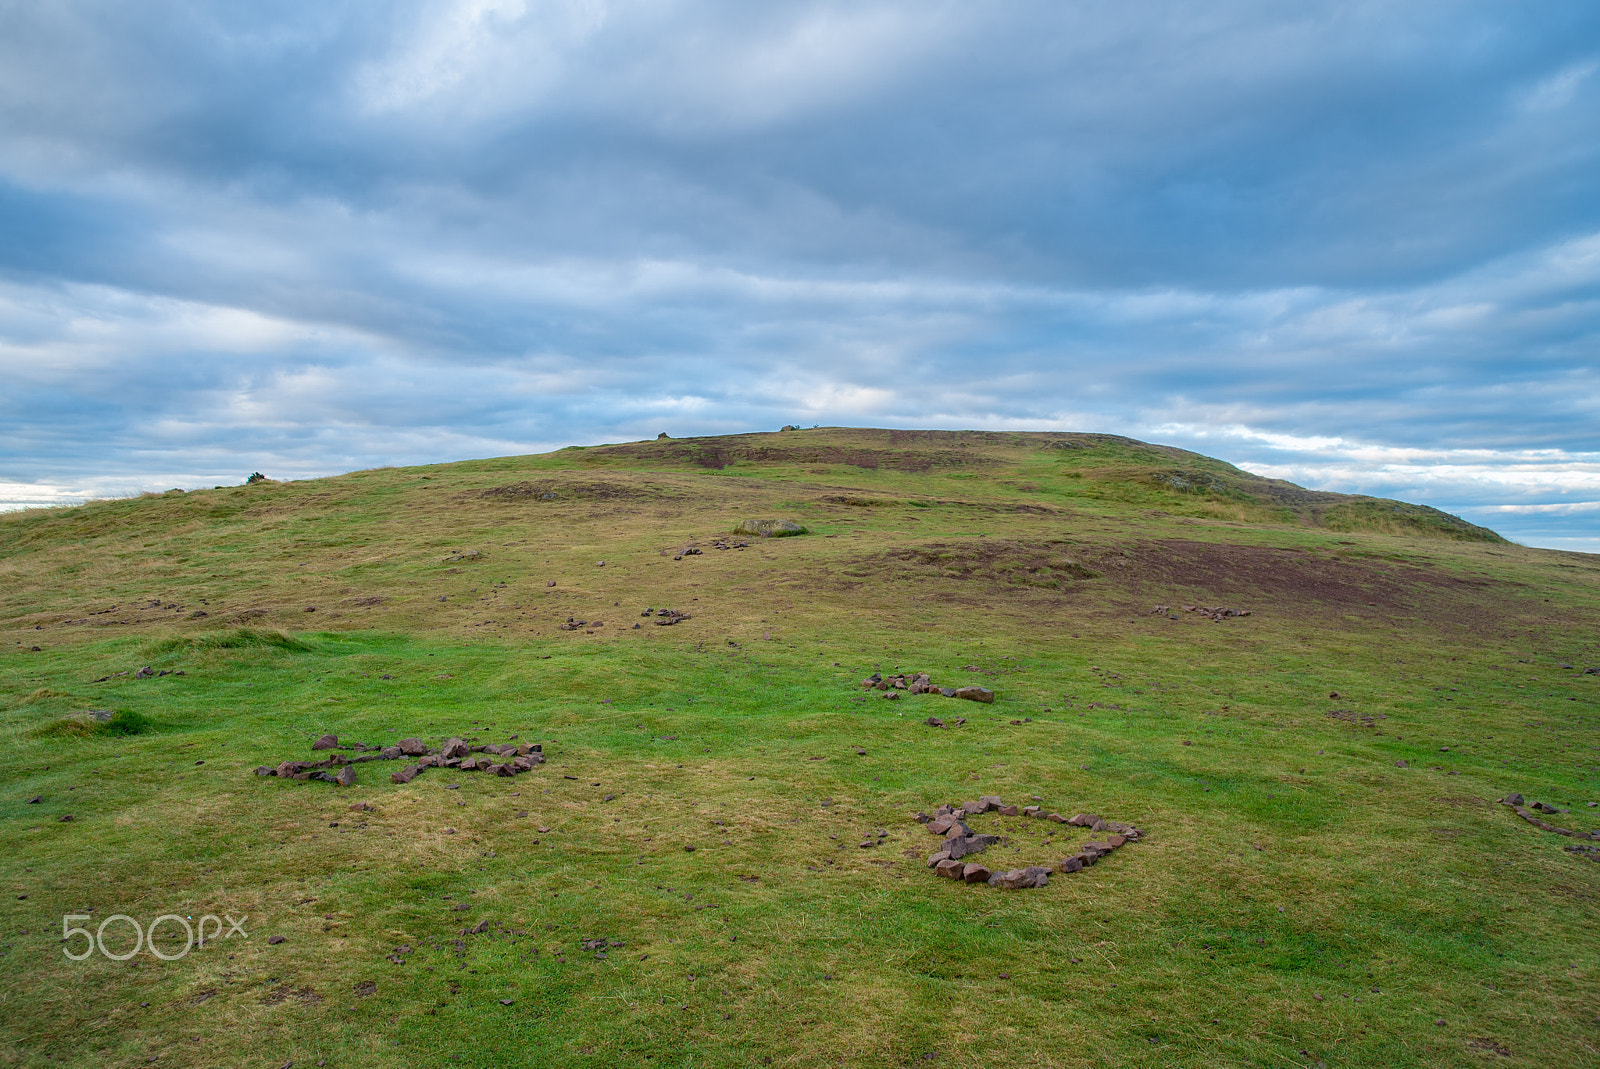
{"x": 146, "y": 672}
{"x": 455, "y": 753}
{"x": 1217, "y": 614}
{"x": 1515, "y": 801}
{"x": 922, "y": 683}
{"x": 665, "y": 617}
{"x": 960, "y": 841}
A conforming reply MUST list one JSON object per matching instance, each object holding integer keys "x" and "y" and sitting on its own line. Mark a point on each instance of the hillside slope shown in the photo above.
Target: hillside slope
{"x": 1308, "y": 703}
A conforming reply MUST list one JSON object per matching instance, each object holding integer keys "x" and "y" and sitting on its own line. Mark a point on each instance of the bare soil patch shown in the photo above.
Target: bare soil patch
{"x": 718, "y": 453}
{"x": 558, "y": 490}
{"x": 995, "y": 562}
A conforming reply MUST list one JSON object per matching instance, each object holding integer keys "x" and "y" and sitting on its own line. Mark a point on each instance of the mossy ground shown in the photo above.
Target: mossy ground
{"x": 1298, "y": 899}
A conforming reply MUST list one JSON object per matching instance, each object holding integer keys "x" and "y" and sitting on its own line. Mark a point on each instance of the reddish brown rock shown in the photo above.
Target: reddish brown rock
{"x": 1070, "y": 864}
{"x": 326, "y": 742}
{"x": 949, "y": 867}
{"x": 405, "y": 775}
{"x": 975, "y": 694}
{"x": 453, "y": 748}
{"x": 975, "y": 873}
{"x": 412, "y": 747}
{"x": 346, "y": 776}
{"x": 934, "y": 859}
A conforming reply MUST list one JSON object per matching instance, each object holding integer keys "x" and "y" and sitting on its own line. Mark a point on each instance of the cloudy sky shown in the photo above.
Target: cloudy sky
{"x": 1353, "y": 244}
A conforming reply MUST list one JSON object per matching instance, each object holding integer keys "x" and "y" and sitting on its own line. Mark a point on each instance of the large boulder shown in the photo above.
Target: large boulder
{"x": 770, "y": 528}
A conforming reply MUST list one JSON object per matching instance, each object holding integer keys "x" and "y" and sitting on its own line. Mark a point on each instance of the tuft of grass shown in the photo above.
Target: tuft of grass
{"x": 41, "y": 694}
{"x": 236, "y": 638}
{"x": 89, "y": 723}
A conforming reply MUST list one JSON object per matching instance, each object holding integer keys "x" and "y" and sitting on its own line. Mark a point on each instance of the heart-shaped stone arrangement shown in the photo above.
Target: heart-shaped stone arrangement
{"x": 961, "y": 841}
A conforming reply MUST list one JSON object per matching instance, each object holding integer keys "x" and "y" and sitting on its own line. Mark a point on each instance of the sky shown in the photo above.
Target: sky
{"x": 1351, "y": 244}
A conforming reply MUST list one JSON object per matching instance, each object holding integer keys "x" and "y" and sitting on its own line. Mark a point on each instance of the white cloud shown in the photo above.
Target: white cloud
{"x": 1558, "y": 89}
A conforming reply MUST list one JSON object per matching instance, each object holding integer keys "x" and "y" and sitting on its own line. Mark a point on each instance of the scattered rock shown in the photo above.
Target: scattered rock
{"x": 275, "y": 940}
{"x": 346, "y": 776}
{"x": 975, "y": 694}
{"x": 326, "y": 742}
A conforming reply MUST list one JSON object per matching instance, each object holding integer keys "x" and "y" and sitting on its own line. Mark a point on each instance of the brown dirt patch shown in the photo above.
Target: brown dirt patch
{"x": 1258, "y": 579}
{"x": 1488, "y": 1046}
{"x": 992, "y": 562}
{"x": 555, "y": 491}
{"x": 718, "y": 453}
{"x": 1220, "y": 572}
{"x": 305, "y": 996}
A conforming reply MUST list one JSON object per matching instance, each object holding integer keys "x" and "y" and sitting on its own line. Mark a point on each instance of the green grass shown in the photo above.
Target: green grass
{"x": 1287, "y": 857}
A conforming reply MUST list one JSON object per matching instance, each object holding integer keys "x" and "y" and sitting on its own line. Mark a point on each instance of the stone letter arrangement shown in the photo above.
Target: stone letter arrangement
{"x": 961, "y": 841}
{"x": 508, "y": 759}
{"x": 1515, "y": 801}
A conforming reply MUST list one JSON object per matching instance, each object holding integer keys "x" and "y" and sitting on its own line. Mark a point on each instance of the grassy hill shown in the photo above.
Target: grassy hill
{"x": 1324, "y": 874}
